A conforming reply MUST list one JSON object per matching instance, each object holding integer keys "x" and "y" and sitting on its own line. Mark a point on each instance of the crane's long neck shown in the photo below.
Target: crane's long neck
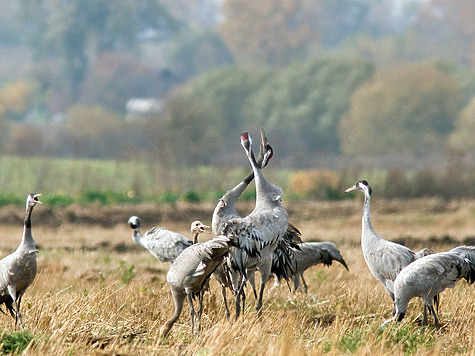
{"x": 366, "y": 220}
{"x": 138, "y": 238}
{"x": 27, "y": 237}
{"x": 195, "y": 237}
{"x": 260, "y": 180}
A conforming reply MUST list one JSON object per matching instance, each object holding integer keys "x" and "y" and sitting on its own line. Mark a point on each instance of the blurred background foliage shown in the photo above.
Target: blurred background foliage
{"x": 338, "y": 85}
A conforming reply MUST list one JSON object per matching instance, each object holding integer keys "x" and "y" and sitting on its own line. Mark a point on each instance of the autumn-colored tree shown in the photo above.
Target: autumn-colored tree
{"x": 15, "y": 98}
{"x": 406, "y": 110}
{"x": 268, "y": 31}
{"x": 463, "y": 137}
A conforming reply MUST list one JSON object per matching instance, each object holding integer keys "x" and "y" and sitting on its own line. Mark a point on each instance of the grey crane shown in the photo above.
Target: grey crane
{"x": 427, "y": 277}
{"x": 189, "y": 273}
{"x": 163, "y": 244}
{"x": 311, "y": 254}
{"x": 258, "y": 233}
{"x": 385, "y": 259}
{"x": 18, "y": 270}
{"x": 225, "y": 210}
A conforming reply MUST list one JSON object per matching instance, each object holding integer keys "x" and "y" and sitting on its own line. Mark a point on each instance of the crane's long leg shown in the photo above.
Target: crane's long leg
{"x": 305, "y": 287}
{"x": 178, "y": 299}
{"x": 223, "y": 292}
{"x": 436, "y": 320}
{"x": 424, "y": 317}
{"x": 200, "y": 311}
{"x": 259, "y": 301}
{"x": 18, "y": 305}
{"x": 13, "y": 295}
{"x": 265, "y": 273}
{"x": 296, "y": 280}
{"x": 238, "y": 300}
{"x": 192, "y": 313}
{"x": 437, "y": 301}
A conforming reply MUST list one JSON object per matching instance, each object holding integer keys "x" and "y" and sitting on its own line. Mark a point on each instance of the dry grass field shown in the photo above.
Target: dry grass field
{"x": 98, "y": 293}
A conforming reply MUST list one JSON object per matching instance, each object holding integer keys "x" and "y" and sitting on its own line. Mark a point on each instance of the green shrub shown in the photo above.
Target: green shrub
{"x": 168, "y": 197}
{"x": 127, "y": 272}
{"x": 351, "y": 341}
{"x": 57, "y": 200}
{"x": 92, "y": 196}
{"x": 192, "y": 196}
{"x": 10, "y": 198}
{"x": 16, "y": 342}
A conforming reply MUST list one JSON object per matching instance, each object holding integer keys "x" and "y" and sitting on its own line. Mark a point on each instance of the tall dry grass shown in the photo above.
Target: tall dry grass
{"x": 98, "y": 293}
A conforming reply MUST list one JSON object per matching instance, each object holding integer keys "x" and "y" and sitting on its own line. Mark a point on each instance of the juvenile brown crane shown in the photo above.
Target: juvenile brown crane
{"x": 189, "y": 273}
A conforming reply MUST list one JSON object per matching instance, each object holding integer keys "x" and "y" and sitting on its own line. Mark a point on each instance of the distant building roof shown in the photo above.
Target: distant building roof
{"x": 144, "y": 106}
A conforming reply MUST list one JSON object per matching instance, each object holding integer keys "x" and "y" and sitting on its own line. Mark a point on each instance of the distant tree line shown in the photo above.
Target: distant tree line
{"x": 324, "y": 78}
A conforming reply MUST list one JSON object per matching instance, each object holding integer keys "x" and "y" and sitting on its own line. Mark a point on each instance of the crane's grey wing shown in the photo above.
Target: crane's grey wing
{"x": 212, "y": 250}
{"x": 467, "y": 252}
{"x": 434, "y": 273}
{"x": 166, "y": 245}
{"x": 249, "y": 238}
{"x": 387, "y": 260}
{"x": 250, "y": 241}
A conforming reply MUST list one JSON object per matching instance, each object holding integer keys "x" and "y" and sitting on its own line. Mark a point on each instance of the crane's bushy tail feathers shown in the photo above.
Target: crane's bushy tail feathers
{"x": 470, "y": 275}
{"x": 293, "y": 236}
{"x": 283, "y": 259}
{"x": 284, "y": 254}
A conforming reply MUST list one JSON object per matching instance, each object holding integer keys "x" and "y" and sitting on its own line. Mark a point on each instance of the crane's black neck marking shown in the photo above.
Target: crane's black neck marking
{"x": 27, "y": 220}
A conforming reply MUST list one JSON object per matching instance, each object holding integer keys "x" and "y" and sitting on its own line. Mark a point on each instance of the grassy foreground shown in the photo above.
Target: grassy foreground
{"x": 98, "y": 293}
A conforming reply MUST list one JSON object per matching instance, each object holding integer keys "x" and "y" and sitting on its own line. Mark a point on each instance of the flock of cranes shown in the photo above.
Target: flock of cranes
{"x": 262, "y": 241}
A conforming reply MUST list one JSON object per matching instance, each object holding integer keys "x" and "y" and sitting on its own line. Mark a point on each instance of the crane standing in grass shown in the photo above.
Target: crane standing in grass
{"x": 163, "y": 244}
{"x": 385, "y": 259}
{"x": 426, "y": 278}
{"x": 189, "y": 273}
{"x": 18, "y": 270}
{"x": 258, "y": 233}
{"x": 225, "y": 210}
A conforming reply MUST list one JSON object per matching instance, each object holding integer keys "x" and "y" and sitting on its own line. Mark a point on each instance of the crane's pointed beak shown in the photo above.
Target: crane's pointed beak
{"x": 205, "y": 228}
{"x": 351, "y": 189}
